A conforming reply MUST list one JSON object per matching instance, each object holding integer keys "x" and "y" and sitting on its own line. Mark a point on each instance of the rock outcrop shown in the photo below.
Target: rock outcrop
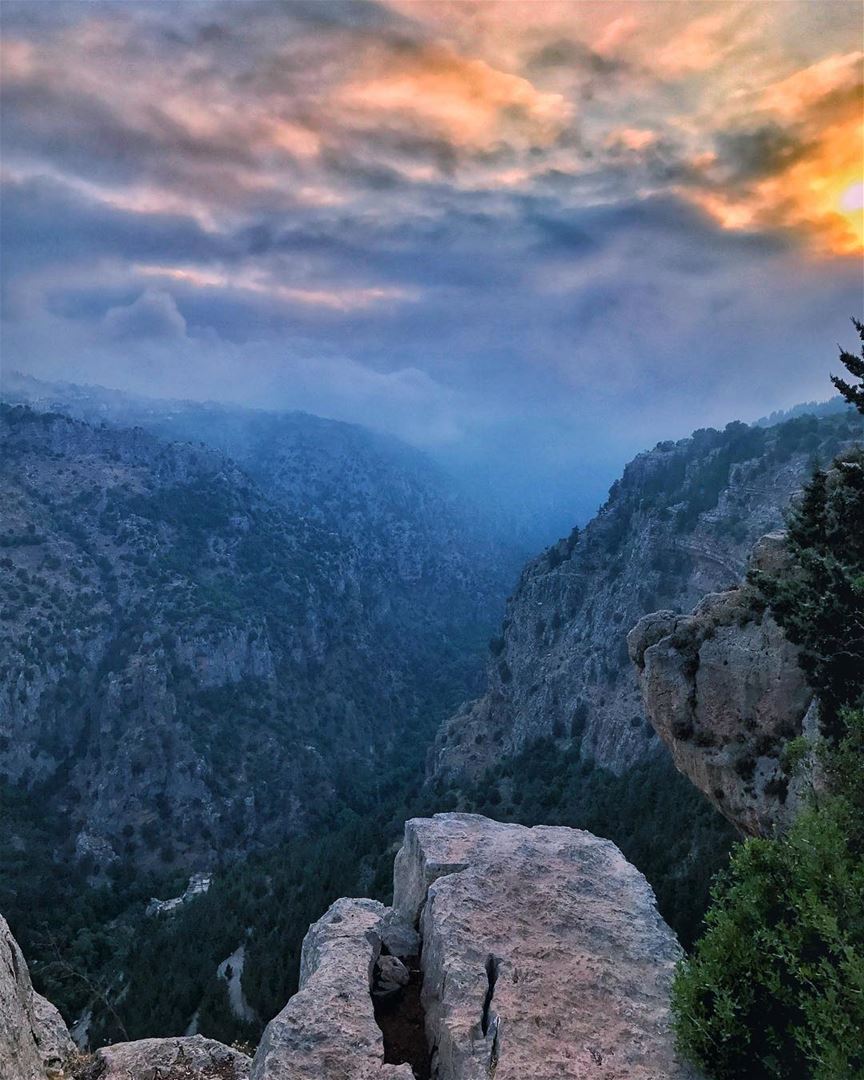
{"x": 724, "y": 691}
{"x": 327, "y": 1031}
{"x": 543, "y": 956}
{"x": 34, "y": 1042}
{"x": 198, "y": 885}
{"x": 189, "y": 1058}
{"x": 543, "y": 953}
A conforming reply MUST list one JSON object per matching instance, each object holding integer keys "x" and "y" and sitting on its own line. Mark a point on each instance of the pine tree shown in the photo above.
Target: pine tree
{"x": 855, "y": 366}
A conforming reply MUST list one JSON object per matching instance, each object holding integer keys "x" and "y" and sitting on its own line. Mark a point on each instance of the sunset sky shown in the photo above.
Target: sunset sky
{"x": 536, "y": 234}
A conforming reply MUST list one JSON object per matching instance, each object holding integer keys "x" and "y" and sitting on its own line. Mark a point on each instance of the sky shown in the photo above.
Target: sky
{"x": 531, "y": 238}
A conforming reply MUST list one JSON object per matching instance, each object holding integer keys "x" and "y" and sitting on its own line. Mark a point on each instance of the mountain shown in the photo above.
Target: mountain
{"x": 680, "y": 523}
{"x": 416, "y": 543}
{"x": 195, "y": 662}
{"x": 520, "y": 514}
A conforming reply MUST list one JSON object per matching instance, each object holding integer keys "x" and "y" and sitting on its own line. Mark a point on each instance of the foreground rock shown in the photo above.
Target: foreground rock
{"x": 327, "y": 1031}
{"x": 34, "y": 1041}
{"x": 190, "y": 1058}
{"x": 543, "y": 953}
{"x": 542, "y": 957}
{"x": 724, "y": 691}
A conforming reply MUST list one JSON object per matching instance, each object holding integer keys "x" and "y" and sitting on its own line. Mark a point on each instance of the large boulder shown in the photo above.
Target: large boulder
{"x": 328, "y": 1031}
{"x": 34, "y": 1041}
{"x": 543, "y": 953}
{"x": 191, "y": 1057}
{"x": 724, "y": 690}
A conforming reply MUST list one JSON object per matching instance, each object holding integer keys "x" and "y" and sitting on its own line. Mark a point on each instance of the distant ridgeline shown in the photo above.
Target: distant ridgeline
{"x": 679, "y": 523}
{"x": 189, "y": 662}
{"x": 211, "y": 657}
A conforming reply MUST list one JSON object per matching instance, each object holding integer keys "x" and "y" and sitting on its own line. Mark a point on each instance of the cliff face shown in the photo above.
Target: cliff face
{"x": 679, "y": 524}
{"x": 188, "y": 663}
{"x": 34, "y": 1041}
{"x": 725, "y": 693}
{"x": 542, "y": 955}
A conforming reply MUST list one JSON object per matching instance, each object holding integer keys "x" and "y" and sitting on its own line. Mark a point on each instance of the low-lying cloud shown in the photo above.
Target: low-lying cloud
{"x": 527, "y": 233}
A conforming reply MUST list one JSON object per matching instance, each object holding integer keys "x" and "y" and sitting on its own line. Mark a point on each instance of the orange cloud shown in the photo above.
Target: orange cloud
{"x": 808, "y": 191}
{"x": 629, "y": 138}
{"x": 469, "y": 101}
{"x": 703, "y": 43}
{"x": 811, "y": 196}
{"x": 807, "y": 88}
{"x": 302, "y": 142}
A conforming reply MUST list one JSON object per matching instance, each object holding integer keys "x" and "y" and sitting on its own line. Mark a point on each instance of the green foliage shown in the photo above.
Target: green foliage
{"x": 819, "y": 599}
{"x": 855, "y": 366}
{"x": 689, "y": 477}
{"x": 775, "y": 988}
{"x": 71, "y": 930}
{"x": 268, "y": 899}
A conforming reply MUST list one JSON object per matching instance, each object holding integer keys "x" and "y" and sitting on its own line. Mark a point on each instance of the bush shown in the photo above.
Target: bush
{"x": 775, "y": 987}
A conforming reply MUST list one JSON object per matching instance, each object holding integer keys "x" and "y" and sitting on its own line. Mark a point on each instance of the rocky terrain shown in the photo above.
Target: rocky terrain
{"x": 679, "y": 524}
{"x": 541, "y": 954}
{"x": 34, "y": 1041}
{"x": 189, "y": 662}
{"x": 724, "y": 691}
{"x": 186, "y": 1058}
{"x": 424, "y": 559}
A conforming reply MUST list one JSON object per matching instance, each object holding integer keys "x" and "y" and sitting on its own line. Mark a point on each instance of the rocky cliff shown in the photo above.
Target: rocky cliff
{"x": 541, "y": 954}
{"x": 724, "y": 691}
{"x": 679, "y": 524}
{"x": 189, "y": 663}
{"x": 34, "y": 1042}
{"x": 509, "y": 952}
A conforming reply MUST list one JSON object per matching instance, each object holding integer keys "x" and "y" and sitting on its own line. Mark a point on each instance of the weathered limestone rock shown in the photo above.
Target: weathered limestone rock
{"x": 189, "y": 1058}
{"x": 391, "y": 976}
{"x": 327, "y": 1031}
{"x": 34, "y": 1041}
{"x": 724, "y": 691}
{"x": 543, "y": 953}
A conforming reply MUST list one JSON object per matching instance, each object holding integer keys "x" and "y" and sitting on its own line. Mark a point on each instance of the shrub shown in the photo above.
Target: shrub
{"x": 775, "y": 988}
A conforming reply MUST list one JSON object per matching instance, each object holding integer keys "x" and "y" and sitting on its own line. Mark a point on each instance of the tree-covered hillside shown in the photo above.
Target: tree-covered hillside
{"x": 679, "y": 523}
{"x": 189, "y": 665}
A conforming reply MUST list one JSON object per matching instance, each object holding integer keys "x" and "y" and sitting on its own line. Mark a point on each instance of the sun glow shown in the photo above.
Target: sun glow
{"x": 819, "y": 196}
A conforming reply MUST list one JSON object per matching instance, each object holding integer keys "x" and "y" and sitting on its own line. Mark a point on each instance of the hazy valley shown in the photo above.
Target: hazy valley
{"x": 244, "y": 656}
